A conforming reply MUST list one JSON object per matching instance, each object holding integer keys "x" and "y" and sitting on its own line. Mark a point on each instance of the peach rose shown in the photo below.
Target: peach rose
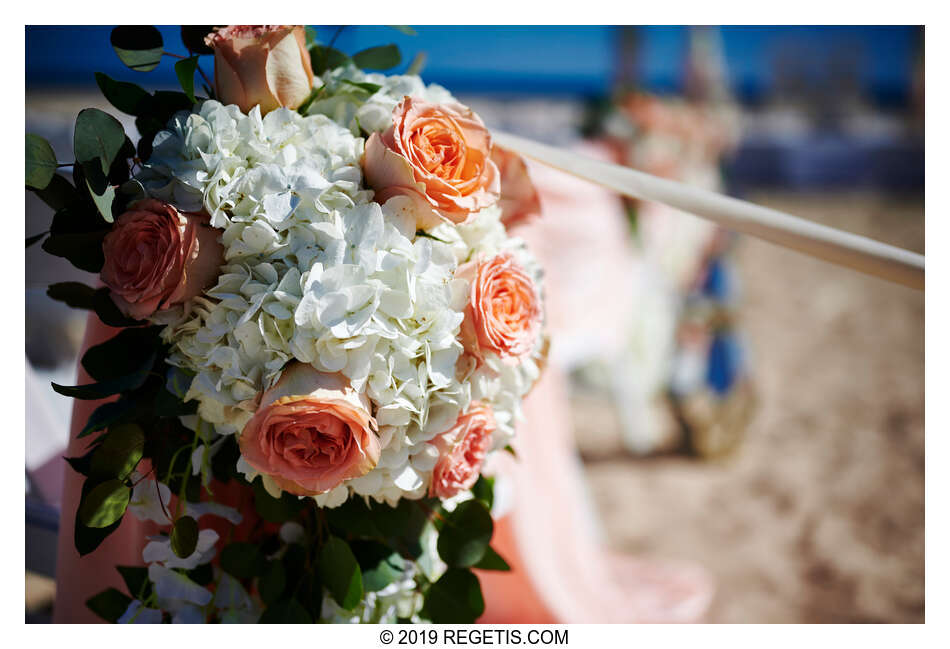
{"x": 437, "y": 154}
{"x": 261, "y": 65}
{"x": 462, "y": 451}
{"x": 156, "y": 257}
{"x": 503, "y": 314}
{"x": 311, "y": 432}
{"x": 519, "y": 199}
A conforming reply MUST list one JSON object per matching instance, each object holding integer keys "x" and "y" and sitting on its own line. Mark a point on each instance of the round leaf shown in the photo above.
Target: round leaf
{"x": 138, "y": 46}
{"x": 185, "y": 71}
{"x": 382, "y": 57}
{"x": 40, "y": 162}
{"x": 120, "y": 452}
{"x": 456, "y": 598}
{"x": 127, "y": 97}
{"x": 340, "y": 572}
{"x": 465, "y": 534}
{"x": 184, "y": 536}
{"x": 104, "y": 505}
{"x": 98, "y": 136}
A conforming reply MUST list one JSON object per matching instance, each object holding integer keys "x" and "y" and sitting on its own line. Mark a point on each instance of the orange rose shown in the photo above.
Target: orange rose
{"x": 462, "y": 451}
{"x": 156, "y": 257}
{"x": 503, "y": 314}
{"x": 438, "y": 155}
{"x": 261, "y": 65}
{"x": 519, "y": 199}
{"x": 311, "y": 432}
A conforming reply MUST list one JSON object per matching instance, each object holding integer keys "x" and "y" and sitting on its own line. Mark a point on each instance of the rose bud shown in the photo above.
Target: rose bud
{"x": 437, "y": 154}
{"x": 311, "y": 432}
{"x": 503, "y": 313}
{"x": 157, "y": 257}
{"x": 519, "y": 199}
{"x": 261, "y": 65}
{"x": 462, "y": 451}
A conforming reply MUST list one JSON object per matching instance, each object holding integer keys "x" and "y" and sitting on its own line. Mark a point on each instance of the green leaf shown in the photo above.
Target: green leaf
{"x": 110, "y": 604}
{"x": 185, "y": 71}
{"x": 128, "y": 97}
{"x": 493, "y": 561}
{"x": 456, "y": 598}
{"x": 138, "y": 46}
{"x": 40, "y": 162}
{"x": 404, "y": 29}
{"x": 136, "y": 580}
{"x": 275, "y": 510}
{"x": 371, "y": 88}
{"x": 122, "y": 354}
{"x": 106, "y": 415}
{"x": 465, "y": 534}
{"x": 103, "y": 201}
{"x": 105, "y": 504}
{"x": 242, "y": 560}
{"x": 104, "y": 389}
{"x": 379, "y": 564}
{"x": 193, "y": 37}
{"x": 484, "y": 490}
{"x": 98, "y": 136}
{"x": 273, "y": 581}
{"x": 36, "y": 237}
{"x": 286, "y": 612}
{"x": 82, "y": 249}
{"x": 79, "y": 296}
{"x": 381, "y": 57}
{"x": 184, "y": 536}
{"x": 340, "y": 572}
{"x": 119, "y": 453}
{"x": 326, "y": 58}
{"x": 418, "y": 63}
{"x": 58, "y": 194}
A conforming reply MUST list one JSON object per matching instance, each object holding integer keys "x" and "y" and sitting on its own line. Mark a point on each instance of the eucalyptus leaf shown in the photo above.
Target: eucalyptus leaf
{"x": 185, "y": 71}
{"x": 380, "y": 565}
{"x": 102, "y": 389}
{"x": 465, "y": 534}
{"x": 119, "y": 453}
{"x": 136, "y": 580}
{"x": 381, "y": 57}
{"x": 456, "y": 598}
{"x": 97, "y": 136}
{"x": 326, "y": 58}
{"x": 370, "y": 88}
{"x": 340, "y": 572}
{"x": 122, "y": 354}
{"x": 128, "y": 97}
{"x": 418, "y": 63}
{"x": 193, "y": 37}
{"x": 493, "y": 561}
{"x": 105, "y": 504}
{"x": 140, "y": 47}
{"x": 275, "y": 510}
{"x": 104, "y": 201}
{"x": 82, "y": 249}
{"x": 110, "y": 604}
{"x": 58, "y": 194}
{"x": 184, "y": 536}
{"x": 40, "y": 162}
{"x": 106, "y": 415}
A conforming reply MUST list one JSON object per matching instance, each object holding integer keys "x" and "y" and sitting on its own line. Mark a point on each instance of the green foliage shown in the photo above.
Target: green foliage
{"x": 140, "y": 47}
{"x": 456, "y": 598}
{"x": 108, "y": 414}
{"x": 128, "y": 97}
{"x": 79, "y": 296}
{"x": 109, "y": 387}
{"x": 380, "y": 565}
{"x": 40, "y": 162}
{"x": 484, "y": 490}
{"x": 272, "y": 582}
{"x": 275, "y": 510}
{"x": 136, "y": 580}
{"x": 122, "y": 354}
{"x": 241, "y": 560}
{"x": 104, "y": 504}
{"x": 465, "y": 534}
{"x": 119, "y": 452}
{"x": 98, "y": 137}
{"x": 493, "y": 561}
{"x": 58, "y": 194}
{"x": 286, "y": 612}
{"x": 369, "y": 88}
{"x": 110, "y": 604}
{"x": 184, "y": 536}
{"x": 193, "y": 37}
{"x": 324, "y": 58}
{"x": 340, "y": 572}
{"x": 185, "y": 71}
{"x": 418, "y": 63}
{"x": 381, "y": 57}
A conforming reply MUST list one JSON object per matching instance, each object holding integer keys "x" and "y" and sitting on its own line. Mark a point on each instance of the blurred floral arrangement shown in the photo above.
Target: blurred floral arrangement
{"x": 319, "y": 310}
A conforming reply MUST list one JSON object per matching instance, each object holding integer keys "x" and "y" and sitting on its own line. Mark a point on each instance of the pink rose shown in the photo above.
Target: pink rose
{"x": 462, "y": 451}
{"x": 311, "y": 432}
{"x": 438, "y": 155}
{"x": 503, "y": 314}
{"x": 156, "y": 257}
{"x": 519, "y": 199}
{"x": 261, "y": 65}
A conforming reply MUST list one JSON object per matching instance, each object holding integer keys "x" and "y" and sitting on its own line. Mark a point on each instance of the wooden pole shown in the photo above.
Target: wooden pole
{"x": 839, "y": 247}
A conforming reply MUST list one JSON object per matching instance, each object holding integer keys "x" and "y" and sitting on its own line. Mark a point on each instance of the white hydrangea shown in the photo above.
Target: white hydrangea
{"x": 318, "y": 272}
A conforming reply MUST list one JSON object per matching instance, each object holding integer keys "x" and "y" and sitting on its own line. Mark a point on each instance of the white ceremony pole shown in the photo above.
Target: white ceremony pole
{"x": 839, "y": 247}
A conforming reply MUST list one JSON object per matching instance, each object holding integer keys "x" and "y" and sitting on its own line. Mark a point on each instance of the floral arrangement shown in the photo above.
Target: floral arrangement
{"x": 320, "y": 312}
